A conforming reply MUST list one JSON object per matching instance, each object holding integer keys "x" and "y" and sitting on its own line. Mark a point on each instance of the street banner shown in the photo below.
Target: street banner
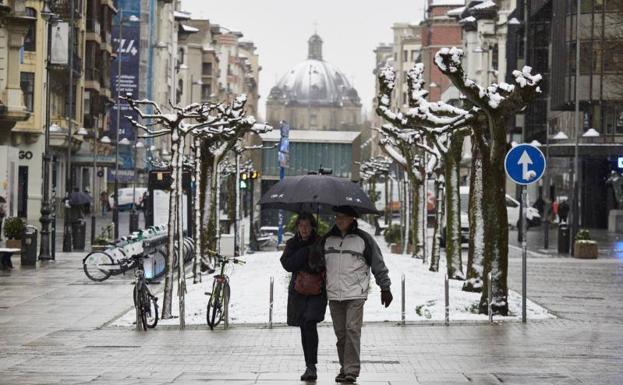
{"x": 126, "y": 44}
{"x": 59, "y": 54}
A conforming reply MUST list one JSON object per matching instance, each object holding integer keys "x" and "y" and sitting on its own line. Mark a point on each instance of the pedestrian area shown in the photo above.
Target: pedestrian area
{"x": 54, "y": 329}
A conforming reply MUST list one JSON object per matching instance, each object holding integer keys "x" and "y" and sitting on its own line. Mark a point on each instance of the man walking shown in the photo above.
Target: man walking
{"x": 350, "y": 253}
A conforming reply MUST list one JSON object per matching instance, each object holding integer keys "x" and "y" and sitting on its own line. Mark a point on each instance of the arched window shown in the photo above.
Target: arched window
{"x": 30, "y": 39}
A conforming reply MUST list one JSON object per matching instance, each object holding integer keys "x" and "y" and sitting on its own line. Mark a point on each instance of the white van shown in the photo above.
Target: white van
{"x": 512, "y": 211}
{"x": 125, "y": 197}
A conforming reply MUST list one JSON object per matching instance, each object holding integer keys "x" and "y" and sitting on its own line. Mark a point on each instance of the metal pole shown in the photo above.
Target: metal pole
{"x": 407, "y": 196}
{"x": 270, "y": 304}
{"x": 218, "y": 209}
{"x": 252, "y": 243}
{"x": 237, "y": 233}
{"x": 489, "y": 297}
{"x": 447, "y": 300}
{"x": 133, "y": 222}
{"x": 546, "y": 193}
{"x": 402, "y": 305}
{"x": 282, "y": 174}
{"x": 524, "y": 257}
{"x": 226, "y": 313}
{"x": 115, "y": 213}
{"x": 575, "y": 211}
{"x": 67, "y": 243}
{"x": 93, "y": 194}
{"x": 46, "y": 207}
{"x": 391, "y": 197}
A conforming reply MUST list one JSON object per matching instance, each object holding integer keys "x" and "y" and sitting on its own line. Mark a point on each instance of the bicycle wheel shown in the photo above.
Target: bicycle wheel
{"x": 150, "y": 308}
{"x": 140, "y": 307}
{"x": 96, "y": 266}
{"x": 215, "y": 310}
{"x": 225, "y": 302}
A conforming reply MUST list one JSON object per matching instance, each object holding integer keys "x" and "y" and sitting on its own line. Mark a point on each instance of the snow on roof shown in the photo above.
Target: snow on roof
{"x": 455, "y": 11}
{"x": 188, "y": 28}
{"x": 434, "y": 3}
{"x": 468, "y": 19}
{"x": 313, "y": 136}
{"x": 181, "y": 15}
{"x": 484, "y": 5}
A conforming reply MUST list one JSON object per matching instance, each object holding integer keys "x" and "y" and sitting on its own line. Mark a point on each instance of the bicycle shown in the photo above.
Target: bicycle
{"x": 145, "y": 303}
{"x": 219, "y": 296}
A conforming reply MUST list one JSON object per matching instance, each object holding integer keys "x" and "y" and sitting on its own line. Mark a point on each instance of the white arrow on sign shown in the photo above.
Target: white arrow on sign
{"x": 524, "y": 161}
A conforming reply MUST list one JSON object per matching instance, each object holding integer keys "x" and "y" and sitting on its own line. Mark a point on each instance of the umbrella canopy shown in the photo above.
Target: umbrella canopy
{"x": 78, "y": 198}
{"x": 317, "y": 193}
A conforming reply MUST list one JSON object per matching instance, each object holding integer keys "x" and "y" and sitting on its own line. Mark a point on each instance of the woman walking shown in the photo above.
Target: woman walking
{"x": 307, "y": 296}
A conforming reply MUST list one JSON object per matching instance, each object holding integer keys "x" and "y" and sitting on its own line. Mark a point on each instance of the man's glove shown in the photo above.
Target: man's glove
{"x": 386, "y": 297}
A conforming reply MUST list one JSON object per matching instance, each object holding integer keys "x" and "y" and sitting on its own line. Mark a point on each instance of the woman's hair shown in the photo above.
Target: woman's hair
{"x": 307, "y": 217}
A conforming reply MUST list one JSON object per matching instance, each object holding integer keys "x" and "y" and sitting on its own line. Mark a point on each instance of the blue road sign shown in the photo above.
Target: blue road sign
{"x": 524, "y": 164}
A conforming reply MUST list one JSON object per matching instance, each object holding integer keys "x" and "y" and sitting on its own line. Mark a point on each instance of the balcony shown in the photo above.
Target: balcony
{"x": 63, "y": 9}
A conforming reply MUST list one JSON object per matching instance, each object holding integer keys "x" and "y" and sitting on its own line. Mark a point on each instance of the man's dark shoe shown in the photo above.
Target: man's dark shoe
{"x": 340, "y": 377}
{"x": 349, "y": 379}
{"x": 310, "y": 374}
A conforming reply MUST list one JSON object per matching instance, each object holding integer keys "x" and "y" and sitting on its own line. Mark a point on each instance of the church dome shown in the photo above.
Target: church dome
{"x": 315, "y": 82}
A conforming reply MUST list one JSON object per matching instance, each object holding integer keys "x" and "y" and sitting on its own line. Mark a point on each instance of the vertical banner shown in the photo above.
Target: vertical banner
{"x": 126, "y": 34}
{"x": 59, "y": 53}
{"x": 284, "y": 151}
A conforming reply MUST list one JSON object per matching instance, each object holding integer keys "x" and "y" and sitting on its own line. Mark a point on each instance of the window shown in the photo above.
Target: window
{"x": 30, "y": 40}
{"x": 180, "y": 56}
{"x": 206, "y": 69}
{"x": 206, "y": 92}
{"x": 27, "y": 83}
{"x": 413, "y": 55}
{"x": 405, "y": 55}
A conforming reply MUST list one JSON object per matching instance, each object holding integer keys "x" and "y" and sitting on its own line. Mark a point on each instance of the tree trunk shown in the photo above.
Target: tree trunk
{"x": 496, "y": 226}
{"x": 434, "y": 260}
{"x": 414, "y": 193}
{"x": 453, "y": 211}
{"x": 231, "y": 198}
{"x": 207, "y": 160}
{"x": 212, "y": 213}
{"x": 181, "y": 283}
{"x": 475, "y": 254}
{"x": 171, "y": 229}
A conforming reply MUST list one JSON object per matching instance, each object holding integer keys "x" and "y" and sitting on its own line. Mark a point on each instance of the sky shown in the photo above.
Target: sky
{"x": 350, "y": 29}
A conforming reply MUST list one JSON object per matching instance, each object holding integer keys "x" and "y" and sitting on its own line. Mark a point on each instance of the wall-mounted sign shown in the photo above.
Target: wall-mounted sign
{"x": 621, "y": 162}
{"x": 60, "y": 44}
{"x": 25, "y": 155}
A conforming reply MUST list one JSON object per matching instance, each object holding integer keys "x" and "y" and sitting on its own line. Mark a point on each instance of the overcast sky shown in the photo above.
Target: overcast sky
{"x": 351, "y": 29}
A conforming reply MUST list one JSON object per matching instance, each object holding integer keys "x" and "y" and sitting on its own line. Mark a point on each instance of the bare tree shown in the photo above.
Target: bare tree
{"x": 497, "y": 103}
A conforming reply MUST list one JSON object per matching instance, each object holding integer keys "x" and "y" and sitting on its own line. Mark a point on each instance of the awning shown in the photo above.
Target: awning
{"x": 87, "y": 160}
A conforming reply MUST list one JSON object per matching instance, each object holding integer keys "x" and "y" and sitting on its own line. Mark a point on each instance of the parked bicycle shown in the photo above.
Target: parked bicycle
{"x": 219, "y": 296}
{"x": 145, "y": 303}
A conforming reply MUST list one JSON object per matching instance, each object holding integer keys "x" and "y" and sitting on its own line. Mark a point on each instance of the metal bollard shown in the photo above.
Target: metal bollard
{"x": 403, "y": 314}
{"x": 270, "y": 308}
{"x": 447, "y": 296}
{"x": 226, "y": 313}
{"x": 490, "y": 297}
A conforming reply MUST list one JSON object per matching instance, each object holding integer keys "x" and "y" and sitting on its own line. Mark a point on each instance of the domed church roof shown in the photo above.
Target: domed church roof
{"x": 314, "y": 81}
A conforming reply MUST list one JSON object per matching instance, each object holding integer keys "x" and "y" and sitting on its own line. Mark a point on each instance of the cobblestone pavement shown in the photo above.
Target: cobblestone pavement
{"x": 52, "y": 331}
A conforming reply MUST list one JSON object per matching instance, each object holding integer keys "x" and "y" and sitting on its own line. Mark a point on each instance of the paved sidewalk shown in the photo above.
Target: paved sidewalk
{"x": 52, "y": 332}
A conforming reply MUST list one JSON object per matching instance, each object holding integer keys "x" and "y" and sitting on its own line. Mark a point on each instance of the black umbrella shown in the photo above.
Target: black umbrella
{"x": 78, "y": 198}
{"x": 317, "y": 193}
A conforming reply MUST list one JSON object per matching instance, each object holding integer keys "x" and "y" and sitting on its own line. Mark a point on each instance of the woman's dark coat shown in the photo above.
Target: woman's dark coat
{"x": 302, "y": 307}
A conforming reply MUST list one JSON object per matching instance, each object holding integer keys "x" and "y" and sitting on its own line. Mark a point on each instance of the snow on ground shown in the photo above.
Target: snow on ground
{"x": 249, "y": 301}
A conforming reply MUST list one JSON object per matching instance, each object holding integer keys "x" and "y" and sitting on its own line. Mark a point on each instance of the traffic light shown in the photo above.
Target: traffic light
{"x": 254, "y": 174}
{"x": 243, "y": 180}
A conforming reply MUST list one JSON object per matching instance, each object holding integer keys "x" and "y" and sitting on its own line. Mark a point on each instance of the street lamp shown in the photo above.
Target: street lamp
{"x": 115, "y": 212}
{"x": 46, "y": 207}
{"x": 134, "y": 214}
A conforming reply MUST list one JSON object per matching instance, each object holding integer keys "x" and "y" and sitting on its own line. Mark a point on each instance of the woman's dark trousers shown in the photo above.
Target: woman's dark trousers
{"x": 309, "y": 337}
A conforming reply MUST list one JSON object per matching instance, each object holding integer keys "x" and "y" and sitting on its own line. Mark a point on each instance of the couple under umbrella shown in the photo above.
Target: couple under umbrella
{"x": 333, "y": 268}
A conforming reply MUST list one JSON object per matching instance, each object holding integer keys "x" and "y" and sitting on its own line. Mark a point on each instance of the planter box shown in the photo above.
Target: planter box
{"x": 14, "y": 243}
{"x": 585, "y": 250}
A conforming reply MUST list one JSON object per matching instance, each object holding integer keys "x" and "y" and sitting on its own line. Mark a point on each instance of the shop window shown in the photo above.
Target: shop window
{"x": 27, "y": 82}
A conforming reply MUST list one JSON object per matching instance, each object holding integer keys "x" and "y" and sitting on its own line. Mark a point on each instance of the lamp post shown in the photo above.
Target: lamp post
{"x": 46, "y": 207}
{"x": 575, "y": 211}
{"x": 67, "y": 236}
{"x": 115, "y": 212}
{"x": 134, "y": 214}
